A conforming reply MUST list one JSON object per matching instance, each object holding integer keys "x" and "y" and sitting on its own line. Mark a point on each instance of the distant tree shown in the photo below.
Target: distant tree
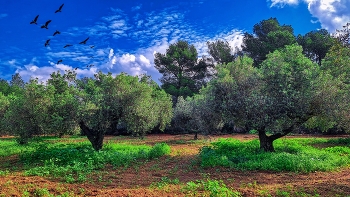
{"x": 28, "y": 112}
{"x": 64, "y": 107}
{"x": 183, "y": 73}
{"x": 4, "y": 104}
{"x": 268, "y": 35}
{"x": 5, "y": 87}
{"x": 316, "y": 44}
{"x": 221, "y": 51}
{"x": 17, "y": 81}
{"x": 197, "y": 115}
{"x": 337, "y": 62}
{"x": 108, "y": 101}
{"x": 343, "y": 35}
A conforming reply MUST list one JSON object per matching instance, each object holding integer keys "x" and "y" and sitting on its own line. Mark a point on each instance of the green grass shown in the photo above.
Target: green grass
{"x": 74, "y": 161}
{"x": 213, "y": 188}
{"x": 294, "y": 155}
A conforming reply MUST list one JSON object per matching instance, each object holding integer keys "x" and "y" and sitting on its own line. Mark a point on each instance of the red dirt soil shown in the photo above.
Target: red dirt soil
{"x": 181, "y": 164}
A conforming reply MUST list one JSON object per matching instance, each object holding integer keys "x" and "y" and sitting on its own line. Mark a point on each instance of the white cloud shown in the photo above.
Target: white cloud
{"x": 12, "y": 62}
{"x": 136, "y": 7}
{"x": 111, "y": 53}
{"x": 145, "y": 61}
{"x": 332, "y": 14}
{"x": 127, "y": 59}
{"x": 43, "y": 72}
{"x": 282, "y": 3}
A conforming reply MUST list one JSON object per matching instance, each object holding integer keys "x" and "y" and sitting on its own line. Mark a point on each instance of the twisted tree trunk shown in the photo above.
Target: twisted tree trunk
{"x": 266, "y": 142}
{"x": 94, "y": 136}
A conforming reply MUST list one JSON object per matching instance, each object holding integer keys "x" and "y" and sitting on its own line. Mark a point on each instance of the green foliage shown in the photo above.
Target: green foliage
{"x": 28, "y": 113}
{"x": 4, "y": 104}
{"x": 76, "y": 161}
{"x": 230, "y": 93}
{"x": 316, "y": 44}
{"x": 183, "y": 74}
{"x": 108, "y": 101}
{"x": 337, "y": 62}
{"x": 268, "y": 36}
{"x": 196, "y": 115}
{"x": 213, "y": 187}
{"x": 165, "y": 181}
{"x": 64, "y": 108}
{"x": 159, "y": 150}
{"x": 294, "y": 155}
{"x": 220, "y": 51}
{"x": 5, "y": 87}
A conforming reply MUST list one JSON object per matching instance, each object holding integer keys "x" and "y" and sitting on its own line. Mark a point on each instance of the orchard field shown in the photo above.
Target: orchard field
{"x": 176, "y": 165}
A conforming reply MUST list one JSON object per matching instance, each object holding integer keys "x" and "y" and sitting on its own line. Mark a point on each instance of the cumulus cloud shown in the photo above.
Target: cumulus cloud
{"x": 42, "y": 73}
{"x": 332, "y": 14}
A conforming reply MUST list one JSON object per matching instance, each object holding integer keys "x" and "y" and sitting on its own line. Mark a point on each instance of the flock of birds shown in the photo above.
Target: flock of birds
{"x": 47, "y": 43}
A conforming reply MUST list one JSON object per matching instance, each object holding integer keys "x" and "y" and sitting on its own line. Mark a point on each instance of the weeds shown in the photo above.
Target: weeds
{"x": 75, "y": 161}
{"x": 213, "y": 188}
{"x": 295, "y": 155}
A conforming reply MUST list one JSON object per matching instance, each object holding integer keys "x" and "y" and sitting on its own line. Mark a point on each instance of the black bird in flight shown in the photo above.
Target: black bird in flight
{"x": 56, "y": 32}
{"x": 59, "y": 61}
{"x": 67, "y": 45}
{"x": 46, "y": 24}
{"x": 59, "y": 9}
{"x": 92, "y": 46}
{"x": 34, "y": 21}
{"x": 47, "y": 43}
{"x": 84, "y": 42}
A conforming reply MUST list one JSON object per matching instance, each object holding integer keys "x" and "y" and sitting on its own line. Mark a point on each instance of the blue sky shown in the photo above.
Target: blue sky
{"x": 126, "y": 34}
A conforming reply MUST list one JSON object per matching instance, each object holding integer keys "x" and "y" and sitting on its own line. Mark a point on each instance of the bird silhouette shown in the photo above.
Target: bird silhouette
{"x": 59, "y": 61}
{"x": 84, "y": 42}
{"x": 92, "y": 46}
{"x": 46, "y": 24}
{"x": 34, "y": 21}
{"x": 59, "y": 9}
{"x": 47, "y": 43}
{"x": 56, "y": 32}
{"x": 67, "y": 45}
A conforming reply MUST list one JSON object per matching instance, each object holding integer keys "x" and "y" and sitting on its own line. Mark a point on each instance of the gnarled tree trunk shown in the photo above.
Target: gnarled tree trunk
{"x": 95, "y": 137}
{"x": 266, "y": 142}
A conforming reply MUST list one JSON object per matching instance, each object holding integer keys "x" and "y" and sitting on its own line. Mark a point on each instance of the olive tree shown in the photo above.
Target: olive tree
{"x": 28, "y": 112}
{"x": 64, "y": 108}
{"x": 286, "y": 92}
{"x": 108, "y": 101}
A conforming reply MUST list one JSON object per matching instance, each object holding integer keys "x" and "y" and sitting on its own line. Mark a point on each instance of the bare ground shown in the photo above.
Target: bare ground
{"x": 181, "y": 164}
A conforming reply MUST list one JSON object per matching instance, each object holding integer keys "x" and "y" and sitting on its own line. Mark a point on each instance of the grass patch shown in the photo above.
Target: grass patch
{"x": 208, "y": 187}
{"x": 74, "y": 161}
{"x": 294, "y": 155}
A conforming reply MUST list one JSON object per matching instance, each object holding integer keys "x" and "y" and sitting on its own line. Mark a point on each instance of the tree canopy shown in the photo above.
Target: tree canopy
{"x": 287, "y": 91}
{"x": 183, "y": 73}
{"x": 316, "y": 44}
{"x": 268, "y": 35}
{"x": 221, "y": 51}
